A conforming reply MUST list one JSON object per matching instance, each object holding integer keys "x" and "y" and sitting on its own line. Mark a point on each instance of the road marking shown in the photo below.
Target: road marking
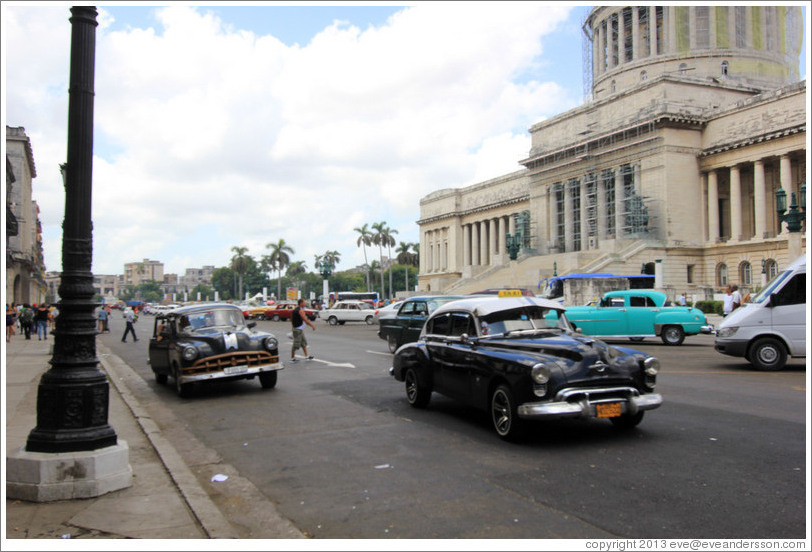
{"x": 379, "y": 353}
{"x": 328, "y": 363}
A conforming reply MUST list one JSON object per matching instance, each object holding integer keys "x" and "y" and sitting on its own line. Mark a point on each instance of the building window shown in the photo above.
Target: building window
{"x": 741, "y": 26}
{"x": 690, "y": 274}
{"x": 772, "y": 269}
{"x": 746, "y": 274}
{"x": 628, "y": 50}
{"x": 683, "y": 28}
{"x": 613, "y": 87}
{"x": 644, "y": 31}
{"x": 613, "y": 22}
{"x": 560, "y": 222}
{"x": 575, "y": 193}
{"x": 659, "y": 29}
{"x": 702, "y": 18}
{"x": 608, "y": 177}
{"x": 721, "y": 275}
{"x": 724, "y": 68}
{"x": 643, "y": 75}
{"x": 683, "y": 68}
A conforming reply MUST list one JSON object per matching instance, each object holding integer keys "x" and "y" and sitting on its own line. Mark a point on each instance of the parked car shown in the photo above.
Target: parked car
{"x": 520, "y": 359}
{"x": 208, "y": 342}
{"x": 283, "y": 311}
{"x": 349, "y": 311}
{"x": 407, "y": 323}
{"x": 772, "y": 325}
{"x": 637, "y": 314}
{"x": 253, "y": 311}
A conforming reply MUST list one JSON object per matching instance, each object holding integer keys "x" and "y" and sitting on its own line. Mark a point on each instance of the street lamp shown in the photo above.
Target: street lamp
{"x": 513, "y": 243}
{"x": 796, "y": 213}
{"x": 325, "y": 269}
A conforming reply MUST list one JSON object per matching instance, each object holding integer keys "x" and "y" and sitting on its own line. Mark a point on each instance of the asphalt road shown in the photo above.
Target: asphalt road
{"x": 338, "y": 450}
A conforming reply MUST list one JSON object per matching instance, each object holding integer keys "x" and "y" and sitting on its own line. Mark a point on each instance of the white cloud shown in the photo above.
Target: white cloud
{"x": 209, "y": 137}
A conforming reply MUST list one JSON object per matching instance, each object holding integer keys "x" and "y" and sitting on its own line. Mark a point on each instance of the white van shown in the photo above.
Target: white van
{"x": 772, "y": 326}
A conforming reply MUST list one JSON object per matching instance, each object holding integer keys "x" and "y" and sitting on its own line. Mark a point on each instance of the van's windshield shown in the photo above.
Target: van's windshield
{"x": 771, "y": 287}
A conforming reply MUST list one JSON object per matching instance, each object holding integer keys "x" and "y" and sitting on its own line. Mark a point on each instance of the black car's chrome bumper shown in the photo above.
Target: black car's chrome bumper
{"x": 582, "y": 403}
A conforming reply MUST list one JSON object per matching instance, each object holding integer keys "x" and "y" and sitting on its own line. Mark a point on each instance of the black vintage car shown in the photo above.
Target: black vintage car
{"x": 521, "y": 359}
{"x": 209, "y": 342}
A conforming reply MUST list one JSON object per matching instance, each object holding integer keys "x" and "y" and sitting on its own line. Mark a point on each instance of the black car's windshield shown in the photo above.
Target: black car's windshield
{"x": 523, "y": 319}
{"x": 214, "y": 318}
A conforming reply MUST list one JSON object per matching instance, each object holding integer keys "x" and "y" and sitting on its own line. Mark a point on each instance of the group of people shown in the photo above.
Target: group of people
{"x": 27, "y": 318}
{"x": 732, "y": 299}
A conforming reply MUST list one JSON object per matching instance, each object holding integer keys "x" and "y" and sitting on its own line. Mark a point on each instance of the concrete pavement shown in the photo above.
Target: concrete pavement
{"x": 166, "y": 499}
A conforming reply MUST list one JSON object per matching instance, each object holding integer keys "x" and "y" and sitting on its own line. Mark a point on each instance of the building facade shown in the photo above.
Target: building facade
{"x": 696, "y": 119}
{"x": 25, "y": 265}
{"x": 139, "y": 272}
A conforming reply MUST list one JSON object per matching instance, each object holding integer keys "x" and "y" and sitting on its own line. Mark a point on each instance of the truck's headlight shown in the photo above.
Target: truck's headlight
{"x": 189, "y": 353}
{"x": 271, "y": 344}
{"x": 540, "y": 373}
{"x": 727, "y": 332}
{"x": 652, "y": 366}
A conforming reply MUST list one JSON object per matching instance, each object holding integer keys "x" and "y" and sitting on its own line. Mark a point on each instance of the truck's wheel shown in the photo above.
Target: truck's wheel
{"x": 768, "y": 354}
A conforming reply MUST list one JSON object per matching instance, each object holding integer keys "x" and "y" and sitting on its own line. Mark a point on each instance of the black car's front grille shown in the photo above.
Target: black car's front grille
{"x": 218, "y": 363}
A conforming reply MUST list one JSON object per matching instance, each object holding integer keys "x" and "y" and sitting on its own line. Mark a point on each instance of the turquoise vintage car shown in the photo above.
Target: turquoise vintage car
{"x": 637, "y": 314}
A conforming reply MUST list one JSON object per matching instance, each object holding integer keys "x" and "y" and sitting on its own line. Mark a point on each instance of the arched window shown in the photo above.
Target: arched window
{"x": 724, "y": 68}
{"x": 721, "y": 275}
{"x": 643, "y": 75}
{"x": 746, "y": 274}
{"x": 683, "y": 68}
{"x": 772, "y": 269}
{"x": 613, "y": 87}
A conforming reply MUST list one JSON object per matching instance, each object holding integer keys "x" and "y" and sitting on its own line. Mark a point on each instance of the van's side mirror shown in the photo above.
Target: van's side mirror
{"x": 774, "y": 301}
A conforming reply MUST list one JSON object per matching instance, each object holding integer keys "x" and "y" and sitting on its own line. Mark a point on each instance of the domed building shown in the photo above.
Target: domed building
{"x": 694, "y": 128}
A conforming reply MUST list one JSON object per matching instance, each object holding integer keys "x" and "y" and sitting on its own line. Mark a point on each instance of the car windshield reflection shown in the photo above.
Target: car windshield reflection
{"x": 522, "y": 320}
{"x": 211, "y": 319}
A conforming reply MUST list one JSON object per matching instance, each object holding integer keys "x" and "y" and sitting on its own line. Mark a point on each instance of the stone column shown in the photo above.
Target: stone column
{"x": 713, "y": 207}
{"x": 600, "y": 190}
{"x": 735, "y": 204}
{"x": 466, "y": 245}
{"x": 483, "y": 243}
{"x": 760, "y": 199}
{"x": 492, "y": 241}
{"x": 553, "y": 219}
{"x": 635, "y": 34}
{"x": 621, "y": 35}
{"x": 475, "y": 244}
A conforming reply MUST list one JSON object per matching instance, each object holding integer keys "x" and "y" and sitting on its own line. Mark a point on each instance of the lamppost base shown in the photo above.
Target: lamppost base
{"x": 46, "y": 477}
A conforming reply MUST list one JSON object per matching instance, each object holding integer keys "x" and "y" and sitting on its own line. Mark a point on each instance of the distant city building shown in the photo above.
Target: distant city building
{"x": 25, "y": 265}
{"x": 143, "y": 271}
{"x": 695, "y": 120}
{"x": 195, "y": 276}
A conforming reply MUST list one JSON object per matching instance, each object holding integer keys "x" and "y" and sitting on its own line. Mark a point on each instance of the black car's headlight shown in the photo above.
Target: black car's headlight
{"x": 271, "y": 344}
{"x": 652, "y": 366}
{"x": 540, "y": 373}
{"x": 189, "y": 353}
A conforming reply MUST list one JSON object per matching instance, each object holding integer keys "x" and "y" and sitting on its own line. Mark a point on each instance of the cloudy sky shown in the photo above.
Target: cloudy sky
{"x": 238, "y": 126}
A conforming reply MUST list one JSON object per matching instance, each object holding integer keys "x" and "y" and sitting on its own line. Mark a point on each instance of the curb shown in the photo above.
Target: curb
{"x": 204, "y": 510}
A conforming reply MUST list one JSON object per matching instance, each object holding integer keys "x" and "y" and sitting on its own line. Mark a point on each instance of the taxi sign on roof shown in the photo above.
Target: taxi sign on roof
{"x": 510, "y": 293}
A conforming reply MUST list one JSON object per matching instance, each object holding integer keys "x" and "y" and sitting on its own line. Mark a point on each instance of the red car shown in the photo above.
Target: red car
{"x": 283, "y": 311}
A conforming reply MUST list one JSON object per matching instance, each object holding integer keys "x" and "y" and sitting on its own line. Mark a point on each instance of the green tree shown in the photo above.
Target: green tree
{"x": 295, "y": 272}
{"x": 364, "y": 240}
{"x": 378, "y": 239}
{"x": 222, "y": 280}
{"x": 279, "y": 259}
{"x": 150, "y": 291}
{"x": 206, "y": 293}
{"x": 384, "y": 236}
{"x": 239, "y": 264}
{"x": 405, "y": 257}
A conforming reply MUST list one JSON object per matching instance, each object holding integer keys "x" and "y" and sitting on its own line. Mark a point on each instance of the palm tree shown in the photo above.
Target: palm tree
{"x": 279, "y": 259}
{"x": 405, "y": 258}
{"x": 389, "y": 240}
{"x": 364, "y": 239}
{"x": 239, "y": 264}
{"x": 332, "y": 257}
{"x": 296, "y": 269}
{"x": 377, "y": 239}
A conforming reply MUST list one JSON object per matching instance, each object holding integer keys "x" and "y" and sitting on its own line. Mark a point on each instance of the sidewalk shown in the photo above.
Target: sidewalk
{"x": 165, "y": 501}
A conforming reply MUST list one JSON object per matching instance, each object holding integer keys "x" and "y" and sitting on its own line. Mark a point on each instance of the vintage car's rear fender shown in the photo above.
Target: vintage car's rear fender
{"x": 691, "y": 320}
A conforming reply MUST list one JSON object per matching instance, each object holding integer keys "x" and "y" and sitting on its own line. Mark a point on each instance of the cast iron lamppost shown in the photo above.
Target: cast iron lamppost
{"x": 794, "y": 217}
{"x": 796, "y": 214}
{"x": 72, "y": 399}
{"x": 325, "y": 269}
{"x": 513, "y": 244}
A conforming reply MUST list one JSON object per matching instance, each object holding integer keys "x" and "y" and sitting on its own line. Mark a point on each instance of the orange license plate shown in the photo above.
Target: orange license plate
{"x": 609, "y": 410}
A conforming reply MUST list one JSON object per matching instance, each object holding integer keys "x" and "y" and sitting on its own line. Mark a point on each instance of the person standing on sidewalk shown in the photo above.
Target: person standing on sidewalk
{"x": 130, "y": 318}
{"x": 26, "y": 320}
{"x": 11, "y": 318}
{"x": 41, "y": 321}
{"x": 102, "y": 319}
{"x": 298, "y": 319}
